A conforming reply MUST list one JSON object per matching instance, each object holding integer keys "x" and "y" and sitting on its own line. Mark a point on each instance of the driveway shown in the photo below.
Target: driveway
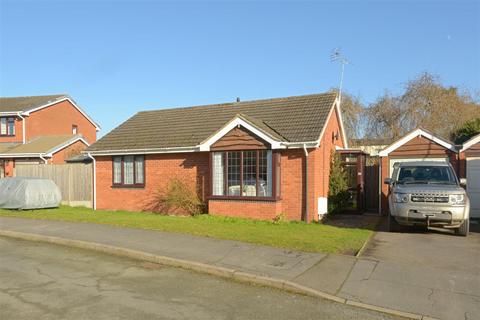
{"x": 43, "y": 281}
{"x": 435, "y": 272}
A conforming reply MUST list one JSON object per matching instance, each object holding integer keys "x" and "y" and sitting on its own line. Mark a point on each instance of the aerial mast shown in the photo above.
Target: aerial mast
{"x": 334, "y": 57}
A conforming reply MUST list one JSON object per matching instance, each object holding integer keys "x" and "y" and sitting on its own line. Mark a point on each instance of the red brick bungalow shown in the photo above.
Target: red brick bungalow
{"x": 253, "y": 159}
{"x": 42, "y": 129}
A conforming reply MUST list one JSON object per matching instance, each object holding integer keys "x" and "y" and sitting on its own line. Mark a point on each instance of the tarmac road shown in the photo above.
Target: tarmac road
{"x": 43, "y": 281}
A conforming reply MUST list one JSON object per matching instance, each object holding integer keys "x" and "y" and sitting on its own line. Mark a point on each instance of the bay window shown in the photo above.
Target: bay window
{"x": 243, "y": 174}
{"x": 7, "y": 126}
{"x": 129, "y": 171}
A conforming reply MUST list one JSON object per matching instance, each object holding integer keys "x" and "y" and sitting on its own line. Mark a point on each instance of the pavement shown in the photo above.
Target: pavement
{"x": 422, "y": 274}
{"x": 84, "y": 284}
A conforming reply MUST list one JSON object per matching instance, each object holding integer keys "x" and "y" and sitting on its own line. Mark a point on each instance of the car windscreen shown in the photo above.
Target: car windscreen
{"x": 426, "y": 174}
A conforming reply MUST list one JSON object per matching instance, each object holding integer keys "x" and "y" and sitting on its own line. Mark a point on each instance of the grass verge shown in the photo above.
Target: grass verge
{"x": 313, "y": 237}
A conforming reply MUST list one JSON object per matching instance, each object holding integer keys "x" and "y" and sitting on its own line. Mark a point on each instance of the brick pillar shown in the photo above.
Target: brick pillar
{"x": 9, "y": 165}
{"x": 462, "y": 165}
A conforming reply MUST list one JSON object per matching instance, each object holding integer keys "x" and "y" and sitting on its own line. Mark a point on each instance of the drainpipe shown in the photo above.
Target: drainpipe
{"x": 23, "y": 128}
{"x": 94, "y": 180}
{"x": 380, "y": 185}
{"x": 305, "y": 215}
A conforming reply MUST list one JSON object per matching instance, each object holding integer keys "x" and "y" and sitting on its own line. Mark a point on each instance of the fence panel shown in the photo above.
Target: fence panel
{"x": 74, "y": 180}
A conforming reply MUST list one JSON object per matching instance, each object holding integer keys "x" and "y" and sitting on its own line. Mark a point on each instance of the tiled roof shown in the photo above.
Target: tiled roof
{"x": 291, "y": 119}
{"x": 20, "y": 104}
{"x": 40, "y": 145}
{"x": 7, "y": 146}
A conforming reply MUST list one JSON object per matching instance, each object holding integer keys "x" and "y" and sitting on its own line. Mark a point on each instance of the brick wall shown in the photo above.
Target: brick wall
{"x": 67, "y": 152}
{"x": 462, "y": 165}
{"x": 58, "y": 119}
{"x": 264, "y": 210}
{"x": 320, "y": 163}
{"x": 159, "y": 169}
{"x": 8, "y": 166}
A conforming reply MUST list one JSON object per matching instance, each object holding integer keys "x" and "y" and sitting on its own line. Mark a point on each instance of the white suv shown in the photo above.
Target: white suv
{"x": 429, "y": 194}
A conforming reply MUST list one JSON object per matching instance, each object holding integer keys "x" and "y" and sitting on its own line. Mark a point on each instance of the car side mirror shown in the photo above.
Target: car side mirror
{"x": 388, "y": 181}
{"x": 463, "y": 182}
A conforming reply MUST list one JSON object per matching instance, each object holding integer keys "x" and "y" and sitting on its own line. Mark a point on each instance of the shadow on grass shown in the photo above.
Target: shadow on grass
{"x": 356, "y": 221}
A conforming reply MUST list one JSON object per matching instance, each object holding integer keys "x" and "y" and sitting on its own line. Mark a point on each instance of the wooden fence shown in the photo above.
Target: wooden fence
{"x": 74, "y": 180}
{"x": 371, "y": 184}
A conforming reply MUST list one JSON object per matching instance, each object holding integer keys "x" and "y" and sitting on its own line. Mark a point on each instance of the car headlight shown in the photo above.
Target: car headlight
{"x": 457, "y": 198}
{"x": 400, "y": 197}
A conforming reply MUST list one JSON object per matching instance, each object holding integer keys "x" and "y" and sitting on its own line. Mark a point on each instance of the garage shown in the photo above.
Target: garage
{"x": 418, "y": 145}
{"x": 470, "y": 157}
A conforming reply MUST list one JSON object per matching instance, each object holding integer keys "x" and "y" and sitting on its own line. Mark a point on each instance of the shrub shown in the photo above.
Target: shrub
{"x": 179, "y": 198}
{"x": 466, "y": 131}
{"x": 338, "y": 188}
{"x": 280, "y": 218}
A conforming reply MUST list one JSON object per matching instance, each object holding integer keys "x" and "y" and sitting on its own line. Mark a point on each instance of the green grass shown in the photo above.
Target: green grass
{"x": 313, "y": 237}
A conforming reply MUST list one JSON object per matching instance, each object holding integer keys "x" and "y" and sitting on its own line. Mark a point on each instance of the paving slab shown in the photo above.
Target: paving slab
{"x": 285, "y": 264}
{"x": 261, "y": 260}
{"x": 328, "y": 274}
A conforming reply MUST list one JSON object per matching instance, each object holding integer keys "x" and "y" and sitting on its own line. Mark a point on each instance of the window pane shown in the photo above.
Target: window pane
{"x": 3, "y": 125}
{"x": 11, "y": 126}
{"x": 139, "y": 165}
{"x": 117, "y": 169}
{"x": 249, "y": 173}
{"x": 265, "y": 173}
{"x": 218, "y": 167}
{"x": 128, "y": 170}
{"x": 233, "y": 173}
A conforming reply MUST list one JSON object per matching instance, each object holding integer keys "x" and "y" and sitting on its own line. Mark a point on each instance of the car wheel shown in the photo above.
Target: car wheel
{"x": 464, "y": 228}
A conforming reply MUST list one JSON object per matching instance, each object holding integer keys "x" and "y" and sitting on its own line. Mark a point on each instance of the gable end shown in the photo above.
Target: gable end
{"x": 421, "y": 146}
{"x": 240, "y": 138}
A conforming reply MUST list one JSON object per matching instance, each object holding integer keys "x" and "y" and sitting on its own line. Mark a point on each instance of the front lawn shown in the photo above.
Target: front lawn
{"x": 311, "y": 237}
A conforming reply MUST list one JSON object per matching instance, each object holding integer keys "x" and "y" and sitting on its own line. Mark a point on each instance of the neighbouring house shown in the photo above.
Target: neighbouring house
{"x": 470, "y": 168}
{"x": 370, "y": 146}
{"x": 42, "y": 129}
{"x": 258, "y": 159}
{"x": 418, "y": 145}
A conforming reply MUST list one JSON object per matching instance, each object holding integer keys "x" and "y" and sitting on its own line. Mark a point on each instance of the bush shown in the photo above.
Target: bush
{"x": 179, "y": 198}
{"x": 466, "y": 131}
{"x": 280, "y": 218}
{"x": 338, "y": 188}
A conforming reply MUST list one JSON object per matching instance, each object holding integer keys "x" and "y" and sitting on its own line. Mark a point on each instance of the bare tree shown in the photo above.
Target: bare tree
{"x": 386, "y": 118}
{"x": 352, "y": 114}
{"x": 425, "y": 103}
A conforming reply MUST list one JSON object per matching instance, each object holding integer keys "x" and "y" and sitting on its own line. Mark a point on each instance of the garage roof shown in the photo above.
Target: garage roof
{"x": 417, "y": 133}
{"x": 473, "y": 141}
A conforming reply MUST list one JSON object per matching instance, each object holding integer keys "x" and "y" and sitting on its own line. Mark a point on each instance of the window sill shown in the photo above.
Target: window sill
{"x": 128, "y": 186}
{"x": 239, "y": 198}
{"x": 7, "y": 135}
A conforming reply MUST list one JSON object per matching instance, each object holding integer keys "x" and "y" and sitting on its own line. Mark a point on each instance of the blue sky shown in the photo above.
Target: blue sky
{"x": 118, "y": 57}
